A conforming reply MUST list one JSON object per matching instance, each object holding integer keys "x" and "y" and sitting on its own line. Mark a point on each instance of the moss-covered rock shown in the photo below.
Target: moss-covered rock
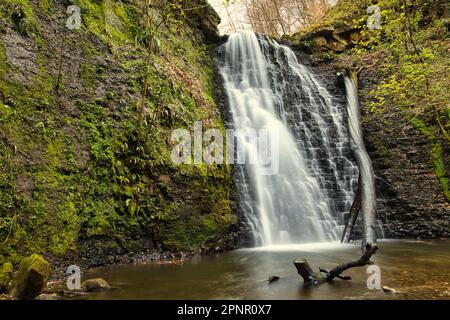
{"x": 6, "y": 274}
{"x": 92, "y": 285}
{"x": 31, "y": 277}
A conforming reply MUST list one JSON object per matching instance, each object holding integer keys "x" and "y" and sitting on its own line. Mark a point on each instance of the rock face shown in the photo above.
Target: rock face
{"x": 205, "y": 18}
{"x": 411, "y": 201}
{"x": 93, "y": 285}
{"x": 336, "y": 39}
{"x": 100, "y": 84}
{"x": 31, "y": 277}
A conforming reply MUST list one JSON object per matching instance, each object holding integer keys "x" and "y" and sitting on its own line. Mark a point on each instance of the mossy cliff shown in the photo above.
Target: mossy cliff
{"x": 86, "y": 117}
{"x": 404, "y": 83}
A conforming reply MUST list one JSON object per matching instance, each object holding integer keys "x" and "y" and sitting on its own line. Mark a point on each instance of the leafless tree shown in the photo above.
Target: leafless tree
{"x": 278, "y": 17}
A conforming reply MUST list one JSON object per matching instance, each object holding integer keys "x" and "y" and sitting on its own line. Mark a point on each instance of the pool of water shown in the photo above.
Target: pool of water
{"x": 419, "y": 269}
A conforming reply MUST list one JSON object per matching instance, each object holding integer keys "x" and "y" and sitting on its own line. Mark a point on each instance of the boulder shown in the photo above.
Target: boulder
{"x": 320, "y": 42}
{"x": 355, "y": 36}
{"x": 325, "y": 31}
{"x": 389, "y": 290}
{"x": 32, "y": 276}
{"x": 55, "y": 287}
{"x": 97, "y": 284}
{"x": 6, "y": 274}
{"x": 202, "y": 16}
{"x": 47, "y": 296}
{"x": 337, "y": 46}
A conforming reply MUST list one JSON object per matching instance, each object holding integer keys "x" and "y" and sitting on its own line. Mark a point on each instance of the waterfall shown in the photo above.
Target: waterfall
{"x": 306, "y": 200}
{"x": 368, "y": 194}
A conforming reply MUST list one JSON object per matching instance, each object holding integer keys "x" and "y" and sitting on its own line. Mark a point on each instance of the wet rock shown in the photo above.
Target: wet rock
{"x": 337, "y": 46}
{"x": 5, "y": 297}
{"x": 5, "y": 277}
{"x": 55, "y": 287}
{"x": 204, "y": 18}
{"x": 32, "y": 276}
{"x": 47, "y": 296}
{"x": 273, "y": 279}
{"x": 389, "y": 290}
{"x": 20, "y": 53}
{"x": 336, "y": 39}
{"x": 93, "y": 285}
{"x": 320, "y": 41}
{"x": 417, "y": 207}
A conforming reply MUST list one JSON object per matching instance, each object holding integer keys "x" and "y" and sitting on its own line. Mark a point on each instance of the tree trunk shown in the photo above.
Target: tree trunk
{"x": 308, "y": 275}
{"x": 354, "y": 212}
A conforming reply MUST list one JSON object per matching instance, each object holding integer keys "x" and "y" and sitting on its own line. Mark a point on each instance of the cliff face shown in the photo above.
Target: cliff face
{"x": 403, "y": 99}
{"x": 86, "y": 117}
{"x": 411, "y": 200}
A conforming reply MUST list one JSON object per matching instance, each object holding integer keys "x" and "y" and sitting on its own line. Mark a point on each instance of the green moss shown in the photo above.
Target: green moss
{"x": 32, "y": 276}
{"x": 21, "y": 13}
{"x": 46, "y": 5}
{"x": 91, "y": 169}
{"x": 6, "y": 273}
{"x": 440, "y": 169}
{"x": 437, "y": 154}
{"x": 7, "y": 267}
{"x": 3, "y": 59}
{"x": 88, "y": 74}
{"x": 110, "y": 23}
{"x": 422, "y": 127}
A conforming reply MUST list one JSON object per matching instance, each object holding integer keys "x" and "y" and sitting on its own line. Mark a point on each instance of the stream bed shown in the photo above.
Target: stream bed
{"x": 418, "y": 269}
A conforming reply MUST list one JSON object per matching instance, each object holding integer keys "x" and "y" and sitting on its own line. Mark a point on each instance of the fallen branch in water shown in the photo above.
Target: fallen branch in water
{"x": 315, "y": 278}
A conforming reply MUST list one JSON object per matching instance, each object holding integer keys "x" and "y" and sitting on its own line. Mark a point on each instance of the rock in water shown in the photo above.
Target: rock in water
{"x": 5, "y": 277}
{"x": 46, "y": 296}
{"x": 31, "y": 277}
{"x": 390, "y": 290}
{"x": 92, "y": 285}
{"x": 273, "y": 279}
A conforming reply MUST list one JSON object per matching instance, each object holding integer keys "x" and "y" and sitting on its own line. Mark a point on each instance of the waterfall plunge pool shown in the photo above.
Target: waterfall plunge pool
{"x": 419, "y": 269}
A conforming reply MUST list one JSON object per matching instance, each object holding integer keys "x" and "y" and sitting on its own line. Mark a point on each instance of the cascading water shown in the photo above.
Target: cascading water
{"x": 268, "y": 89}
{"x": 367, "y": 174}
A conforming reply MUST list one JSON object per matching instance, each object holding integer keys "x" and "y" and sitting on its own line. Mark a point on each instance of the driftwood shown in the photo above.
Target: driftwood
{"x": 314, "y": 278}
{"x": 309, "y": 276}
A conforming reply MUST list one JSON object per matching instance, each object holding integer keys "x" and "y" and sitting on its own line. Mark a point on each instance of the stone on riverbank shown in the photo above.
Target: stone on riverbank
{"x": 31, "y": 277}
{"x": 92, "y": 285}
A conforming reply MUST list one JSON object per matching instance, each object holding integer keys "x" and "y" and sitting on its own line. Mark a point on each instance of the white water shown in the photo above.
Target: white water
{"x": 268, "y": 88}
{"x": 368, "y": 194}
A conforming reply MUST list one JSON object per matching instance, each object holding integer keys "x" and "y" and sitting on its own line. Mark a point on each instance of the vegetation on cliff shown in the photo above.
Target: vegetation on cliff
{"x": 85, "y": 122}
{"x": 409, "y": 56}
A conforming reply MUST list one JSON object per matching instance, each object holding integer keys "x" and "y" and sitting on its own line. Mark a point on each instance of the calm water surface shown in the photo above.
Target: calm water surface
{"x": 421, "y": 270}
